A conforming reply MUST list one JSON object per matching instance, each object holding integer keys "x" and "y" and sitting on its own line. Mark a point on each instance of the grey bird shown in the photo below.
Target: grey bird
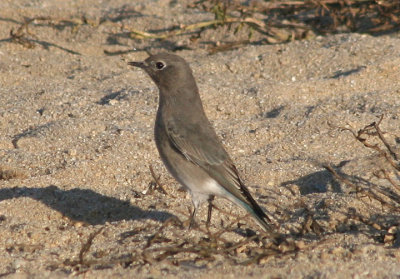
{"x": 187, "y": 142}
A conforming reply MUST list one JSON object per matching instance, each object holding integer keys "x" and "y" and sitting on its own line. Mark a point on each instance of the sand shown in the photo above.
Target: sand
{"x": 76, "y": 144}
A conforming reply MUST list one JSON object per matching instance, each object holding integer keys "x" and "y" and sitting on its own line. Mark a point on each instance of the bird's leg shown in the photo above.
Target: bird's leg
{"x": 192, "y": 223}
{"x": 210, "y": 206}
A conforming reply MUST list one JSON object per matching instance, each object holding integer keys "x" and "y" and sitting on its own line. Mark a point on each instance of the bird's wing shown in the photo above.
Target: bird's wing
{"x": 200, "y": 145}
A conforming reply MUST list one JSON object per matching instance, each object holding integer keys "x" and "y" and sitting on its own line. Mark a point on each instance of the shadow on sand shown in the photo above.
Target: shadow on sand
{"x": 84, "y": 205}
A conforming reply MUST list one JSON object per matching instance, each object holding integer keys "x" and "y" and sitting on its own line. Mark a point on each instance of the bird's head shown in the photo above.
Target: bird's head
{"x": 166, "y": 70}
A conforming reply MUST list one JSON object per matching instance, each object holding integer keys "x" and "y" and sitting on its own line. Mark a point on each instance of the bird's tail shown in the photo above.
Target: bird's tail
{"x": 259, "y": 215}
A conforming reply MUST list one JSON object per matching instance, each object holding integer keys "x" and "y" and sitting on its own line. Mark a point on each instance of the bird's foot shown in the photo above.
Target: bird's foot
{"x": 192, "y": 224}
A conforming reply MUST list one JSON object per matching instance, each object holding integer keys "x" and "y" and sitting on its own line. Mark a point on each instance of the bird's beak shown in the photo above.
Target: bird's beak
{"x": 137, "y": 64}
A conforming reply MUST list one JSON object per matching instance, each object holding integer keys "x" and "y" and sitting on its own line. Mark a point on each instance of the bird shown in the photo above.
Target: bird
{"x": 188, "y": 144}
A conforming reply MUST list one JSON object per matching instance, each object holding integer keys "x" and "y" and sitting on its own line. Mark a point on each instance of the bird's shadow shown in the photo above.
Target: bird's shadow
{"x": 317, "y": 182}
{"x": 84, "y": 205}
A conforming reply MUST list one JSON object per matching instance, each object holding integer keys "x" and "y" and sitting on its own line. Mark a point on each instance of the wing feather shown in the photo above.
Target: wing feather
{"x": 201, "y": 145}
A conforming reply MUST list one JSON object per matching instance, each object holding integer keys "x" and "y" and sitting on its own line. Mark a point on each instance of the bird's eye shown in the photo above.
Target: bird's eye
{"x": 160, "y": 65}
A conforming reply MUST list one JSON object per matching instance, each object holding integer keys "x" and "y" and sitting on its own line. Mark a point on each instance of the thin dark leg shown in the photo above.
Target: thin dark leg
{"x": 210, "y": 206}
{"x": 192, "y": 223}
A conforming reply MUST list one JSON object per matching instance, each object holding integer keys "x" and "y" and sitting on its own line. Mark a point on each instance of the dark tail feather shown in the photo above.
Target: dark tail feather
{"x": 259, "y": 215}
{"x": 252, "y": 206}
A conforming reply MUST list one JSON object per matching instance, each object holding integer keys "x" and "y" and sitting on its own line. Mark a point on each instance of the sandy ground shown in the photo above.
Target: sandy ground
{"x": 76, "y": 143}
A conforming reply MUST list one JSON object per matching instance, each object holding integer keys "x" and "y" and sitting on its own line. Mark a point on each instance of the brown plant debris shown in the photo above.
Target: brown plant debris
{"x": 274, "y": 22}
{"x": 10, "y": 173}
{"x": 387, "y": 193}
{"x": 156, "y": 182}
{"x": 25, "y": 37}
{"x": 281, "y": 21}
